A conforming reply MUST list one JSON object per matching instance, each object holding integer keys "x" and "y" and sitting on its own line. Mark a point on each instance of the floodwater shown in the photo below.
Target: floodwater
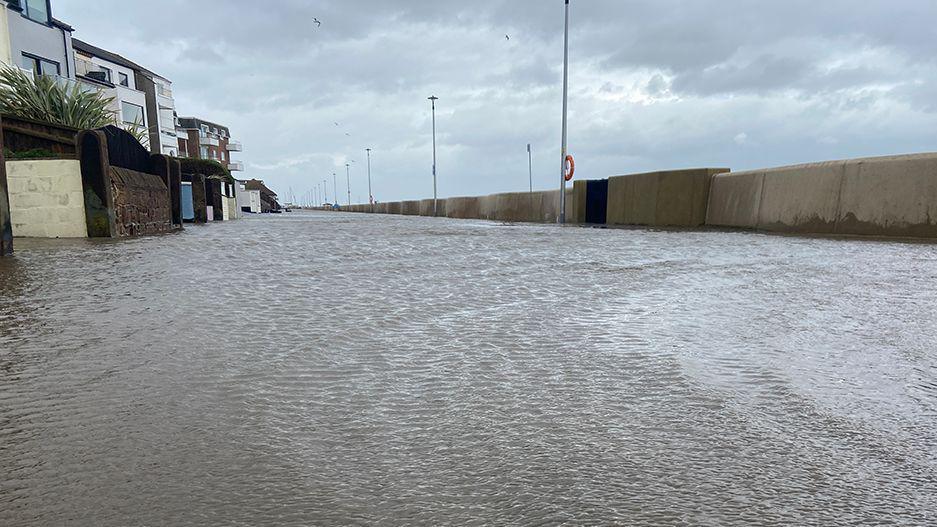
{"x": 331, "y": 369}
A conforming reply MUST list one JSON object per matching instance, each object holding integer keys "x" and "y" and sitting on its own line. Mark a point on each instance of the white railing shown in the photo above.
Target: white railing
{"x": 208, "y": 141}
{"x": 235, "y": 146}
{"x": 236, "y": 166}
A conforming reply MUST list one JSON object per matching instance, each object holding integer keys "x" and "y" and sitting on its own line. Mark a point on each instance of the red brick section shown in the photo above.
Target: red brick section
{"x": 190, "y": 145}
{"x": 141, "y": 203}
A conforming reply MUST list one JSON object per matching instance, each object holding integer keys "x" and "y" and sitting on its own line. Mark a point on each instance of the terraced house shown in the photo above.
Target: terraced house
{"x": 143, "y": 100}
{"x": 32, "y": 39}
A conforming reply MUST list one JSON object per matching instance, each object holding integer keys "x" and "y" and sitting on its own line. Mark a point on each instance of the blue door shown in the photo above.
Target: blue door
{"x": 188, "y": 207}
{"x": 597, "y": 201}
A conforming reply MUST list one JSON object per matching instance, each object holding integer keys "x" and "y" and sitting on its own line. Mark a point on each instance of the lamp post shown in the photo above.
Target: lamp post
{"x": 433, "y": 99}
{"x": 562, "y": 215}
{"x": 530, "y": 168}
{"x": 335, "y": 188}
{"x": 370, "y": 194}
{"x": 348, "y": 181}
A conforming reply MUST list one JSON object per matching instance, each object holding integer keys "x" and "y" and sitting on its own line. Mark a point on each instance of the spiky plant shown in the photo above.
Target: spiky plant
{"x": 51, "y": 100}
{"x": 140, "y": 132}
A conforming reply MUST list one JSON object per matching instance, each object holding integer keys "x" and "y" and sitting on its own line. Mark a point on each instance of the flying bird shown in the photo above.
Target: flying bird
{"x": 316, "y": 22}
{"x": 507, "y": 37}
{"x": 336, "y": 124}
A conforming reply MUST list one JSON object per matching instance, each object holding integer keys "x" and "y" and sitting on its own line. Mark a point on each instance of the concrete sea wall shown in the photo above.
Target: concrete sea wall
{"x": 46, "y": 198}
{"x": 676, "y": 198}
{"x": 884, "y": 196}
{"x": 892, "y": 196}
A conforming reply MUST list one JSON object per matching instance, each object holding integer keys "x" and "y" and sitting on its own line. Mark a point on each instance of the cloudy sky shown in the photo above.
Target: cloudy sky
{"x": 655, "y": 84}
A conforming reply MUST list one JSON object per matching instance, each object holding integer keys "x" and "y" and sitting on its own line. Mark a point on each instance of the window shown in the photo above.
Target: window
{"x": 124, "y": 80}
{"x": 204, "y": 152}
{"x": 133, "y": 114}
{"x": 40, "y": 66}
{"x": 37, "y": 10}
{"x": 107, "y": 73}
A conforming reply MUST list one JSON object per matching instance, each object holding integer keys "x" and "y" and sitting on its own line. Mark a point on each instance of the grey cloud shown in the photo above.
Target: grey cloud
{"x": 791, "y": 75}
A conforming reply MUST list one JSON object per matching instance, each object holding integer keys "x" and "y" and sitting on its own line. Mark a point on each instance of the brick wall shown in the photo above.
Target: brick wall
{"x": 141, "y": 203}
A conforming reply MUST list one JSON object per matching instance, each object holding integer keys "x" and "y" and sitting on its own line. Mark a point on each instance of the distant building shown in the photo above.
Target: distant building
{"x": 142, "y": 99}
{"x": 202, "y": 139}
{"x": 31, "y": 38}
{"x": 248, "y": 200}
{"x": 268, "y": 198}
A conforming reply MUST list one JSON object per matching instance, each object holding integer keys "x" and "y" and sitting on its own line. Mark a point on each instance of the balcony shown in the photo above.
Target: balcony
{"x": 208, "y": 141}
{"x": 236, "y": 166}
{"x": 235, "y": 146}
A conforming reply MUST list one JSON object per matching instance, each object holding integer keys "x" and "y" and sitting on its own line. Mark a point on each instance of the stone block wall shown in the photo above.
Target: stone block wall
{"x": 46, "y": 198}
{"x": 142, "y": 203}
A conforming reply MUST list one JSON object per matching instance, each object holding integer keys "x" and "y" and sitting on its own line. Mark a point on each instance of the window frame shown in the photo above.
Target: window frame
{"x": 24, "y": 5}
{"x": 123, "y": 79}
{"x": 123, "y": 116}
{"x": 37, "y": 64}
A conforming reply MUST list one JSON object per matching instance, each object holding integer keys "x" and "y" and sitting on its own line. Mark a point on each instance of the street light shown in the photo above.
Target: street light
{"x": 562, "y": 215}
{"x": 370, "y": 194}
{"x": 530, "y": 168}
{"x": 435, "y": 209}
{"x": 335, "y": 186}
{"x": 348, "y": 181}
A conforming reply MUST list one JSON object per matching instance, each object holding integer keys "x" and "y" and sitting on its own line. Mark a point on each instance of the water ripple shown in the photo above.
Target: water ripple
{"x": 329, "y": 369}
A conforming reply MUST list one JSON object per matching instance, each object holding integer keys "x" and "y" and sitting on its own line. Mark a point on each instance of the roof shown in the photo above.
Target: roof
{"x": 81, "y": 45}
{"x": 62, "y": 25}
{"x": 256, "y": 184}
{"x": 193, "y": 123}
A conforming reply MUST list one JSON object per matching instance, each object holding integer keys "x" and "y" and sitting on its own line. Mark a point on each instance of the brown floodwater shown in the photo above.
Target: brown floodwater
{"x": 332, "y": 369}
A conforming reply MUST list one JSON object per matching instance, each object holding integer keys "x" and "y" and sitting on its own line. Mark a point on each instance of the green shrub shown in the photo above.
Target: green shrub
{"x": 52, "y": 100}
{"x": 37, "y": 153}
{"x": 206, "y": 167}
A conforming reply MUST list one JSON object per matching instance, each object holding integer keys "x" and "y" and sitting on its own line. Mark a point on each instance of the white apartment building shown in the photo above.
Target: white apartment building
{"x": 143, "y": 100}
{"x": 32, "y": 39}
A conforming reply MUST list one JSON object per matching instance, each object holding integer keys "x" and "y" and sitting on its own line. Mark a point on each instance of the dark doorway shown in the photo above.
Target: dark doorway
{"x": 597, "y": 201}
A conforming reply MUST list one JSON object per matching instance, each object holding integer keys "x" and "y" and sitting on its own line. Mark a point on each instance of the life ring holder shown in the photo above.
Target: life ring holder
{"x": 570, "y": 168}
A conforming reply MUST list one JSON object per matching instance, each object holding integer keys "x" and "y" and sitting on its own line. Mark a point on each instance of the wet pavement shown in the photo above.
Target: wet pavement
{"x": 331, "y": 369}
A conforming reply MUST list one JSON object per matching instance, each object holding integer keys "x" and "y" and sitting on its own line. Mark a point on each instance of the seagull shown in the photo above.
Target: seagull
{"x": 348, "y": 134}
{"x": 336, "y": 124}
{"x": 506, "y": 37}
{"x": 316, "y": 22}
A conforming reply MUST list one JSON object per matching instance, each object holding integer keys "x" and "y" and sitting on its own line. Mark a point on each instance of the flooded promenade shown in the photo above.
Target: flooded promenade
{"x": 336, "y": 369}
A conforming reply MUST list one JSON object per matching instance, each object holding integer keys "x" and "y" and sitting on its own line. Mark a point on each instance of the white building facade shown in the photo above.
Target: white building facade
{"x": 143, "y": 100}
{"x": 32, "y": 39}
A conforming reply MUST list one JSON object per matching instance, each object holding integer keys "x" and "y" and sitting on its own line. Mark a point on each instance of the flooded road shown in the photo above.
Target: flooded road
{"x": 320, "y": 369}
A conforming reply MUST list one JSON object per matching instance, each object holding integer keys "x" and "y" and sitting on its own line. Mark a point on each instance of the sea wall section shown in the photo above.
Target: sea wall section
{"x": 893, "y": 196}
{"x": 676, "y": 198}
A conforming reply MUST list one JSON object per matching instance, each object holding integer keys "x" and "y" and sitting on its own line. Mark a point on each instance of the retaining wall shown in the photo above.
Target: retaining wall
{"x": 426, "y": 208}
{"x": 884, "y": 196}
{"x": 46, "y": 198}
{"x": 6, "y": 228}
{"x": 676, "y": 198}
{"x": 141, "y": 202}
{"x": 464, "y": 208}
{"x": 410, "y": 208}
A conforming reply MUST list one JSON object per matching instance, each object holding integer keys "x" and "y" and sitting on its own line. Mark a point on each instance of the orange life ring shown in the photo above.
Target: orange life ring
{"x": 570, "y": 167}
